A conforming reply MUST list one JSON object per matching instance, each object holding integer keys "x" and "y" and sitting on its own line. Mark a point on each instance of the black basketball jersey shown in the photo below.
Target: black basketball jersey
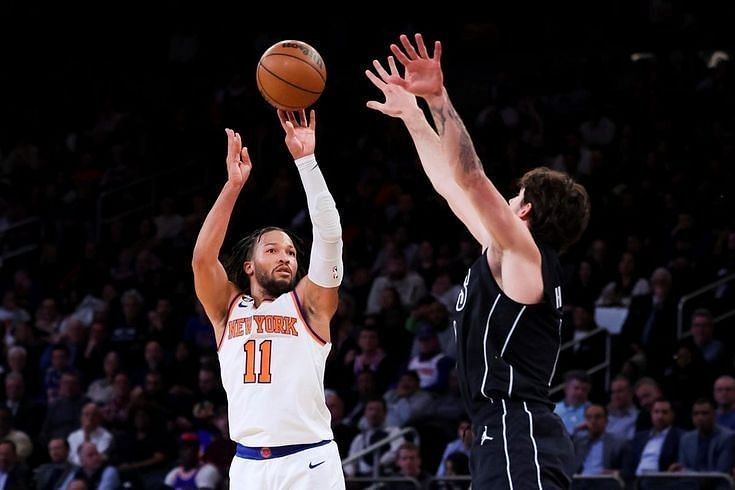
{"x": 506, "y": 349}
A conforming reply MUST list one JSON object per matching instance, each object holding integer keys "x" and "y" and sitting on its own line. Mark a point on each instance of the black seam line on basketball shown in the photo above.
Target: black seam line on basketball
{"x": 267, "y": 96}
{"x": 292, "y": 84}
{"x": 304, "y": 60}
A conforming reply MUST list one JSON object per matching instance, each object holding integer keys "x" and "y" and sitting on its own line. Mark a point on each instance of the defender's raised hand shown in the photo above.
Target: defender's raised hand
{"x": 238, "y": 160}
{"x": 423, "y": 75}
{"x": 300, "y": 133}
{"x": 398, "y": 102}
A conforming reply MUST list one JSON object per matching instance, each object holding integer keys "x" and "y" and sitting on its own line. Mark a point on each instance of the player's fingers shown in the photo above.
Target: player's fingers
{"x": 312, "y": 117}
{"x": 375, "y": 105}
{"x": 422, "y": 47}
{"x": 281, "y": 118}
{"x": 244, "y": 155}
{"x": 304, "y": 121}
{"x": 230, "y": 141}
{"x": 393, "y": 67}
{"x": 289, "y": 128}
{"x": 437, "y": 51}
{"x": 238, "y": 144}
{"x": 381, "y": 71}
{"x": 399, "y": 55}
{"x": 408, "y": 47}
{"x": 376, "y": 81}
{"x": 292, "y": 118}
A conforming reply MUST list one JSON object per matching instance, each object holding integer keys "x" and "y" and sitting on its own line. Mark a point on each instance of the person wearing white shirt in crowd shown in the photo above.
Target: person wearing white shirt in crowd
{"x": 90, "y": 431}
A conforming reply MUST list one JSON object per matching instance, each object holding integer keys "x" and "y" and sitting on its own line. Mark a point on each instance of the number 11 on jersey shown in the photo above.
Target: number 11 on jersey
{"x": 264, "y": 376}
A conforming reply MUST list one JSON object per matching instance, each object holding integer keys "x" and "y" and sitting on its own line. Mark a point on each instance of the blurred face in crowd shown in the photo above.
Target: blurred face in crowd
{"x": 724, "y": 392}
{"x": 121, "y": 385}
{"x": 111, "y": 364}
{"x": 58, "y": 451}
{"x": 662, "y": 415}
{"x": 368, "y": 341}
{"x": 69, "y": 386}
{"x": 576, "y": 392}
{"x": 464, "y": 433}
{"x": 274, "y": 264}
{"x": 621, "y": 396}
{"x": 207, "y": 381}
{"x": 407, "y": 385}
{"x": 596, "y": 420}
{"x": 703, "y": 417}
{"x": 89, "y": 457}
{"x": 409, "y": 462}
{"x": 646, "y": 395}
{"x": 336, "y": 407}
{"x": 17, "y": 359}
{"x": 365, "y": 383}
{"x": 91, "y": 417}
{"x": 8, "y": 457}
{"x": 59, "y": 359}
{"x": 703, "y": 329}
{"x": 153, "y": 353}
{"x": 375, "y": 414}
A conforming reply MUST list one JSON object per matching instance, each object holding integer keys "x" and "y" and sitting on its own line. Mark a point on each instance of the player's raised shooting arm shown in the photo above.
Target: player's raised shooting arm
{"x": 212, "y": 286}
{"x": 318, "y": 291}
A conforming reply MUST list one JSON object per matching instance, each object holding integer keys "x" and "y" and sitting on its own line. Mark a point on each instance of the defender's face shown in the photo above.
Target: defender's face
{"x": 517, "y": 201}
{"x": 274, "y": 263}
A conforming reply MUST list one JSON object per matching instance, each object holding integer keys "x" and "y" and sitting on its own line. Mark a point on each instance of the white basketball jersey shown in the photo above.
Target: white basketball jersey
{"x": 272, "y": 367}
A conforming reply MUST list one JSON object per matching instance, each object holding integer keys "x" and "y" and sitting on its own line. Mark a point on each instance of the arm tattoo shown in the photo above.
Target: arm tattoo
{"x": 443, "y": 113}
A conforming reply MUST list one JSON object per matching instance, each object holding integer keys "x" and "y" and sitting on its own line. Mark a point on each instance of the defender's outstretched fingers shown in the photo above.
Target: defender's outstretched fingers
{"x": 410, "y": 51}
{"x": 393, "y": 67}
{"x": 312, "y": 119}
{"x": 304, "y": 121}
{"x": 422, "y": 47}
{"x": 376, "y": 81}
{"x": 437, "y": 51}
{"x": 399, "y": 55}
{"x": 381, "y": 71}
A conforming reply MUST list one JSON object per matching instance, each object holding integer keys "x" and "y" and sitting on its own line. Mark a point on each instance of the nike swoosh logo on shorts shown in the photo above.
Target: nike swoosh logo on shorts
{"x": 312, "y": 466}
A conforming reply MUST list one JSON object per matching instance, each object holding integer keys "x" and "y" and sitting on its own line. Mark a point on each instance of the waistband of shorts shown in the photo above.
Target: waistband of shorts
{"x": 247, "y": 452}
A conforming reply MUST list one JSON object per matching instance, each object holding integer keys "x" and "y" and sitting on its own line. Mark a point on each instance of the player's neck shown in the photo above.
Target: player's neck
{"x": 260, "y": 295}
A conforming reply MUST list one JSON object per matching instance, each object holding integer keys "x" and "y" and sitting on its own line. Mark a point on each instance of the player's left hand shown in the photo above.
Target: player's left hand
{"x": 398, "y": 102}
{"x": 300, "y": 132}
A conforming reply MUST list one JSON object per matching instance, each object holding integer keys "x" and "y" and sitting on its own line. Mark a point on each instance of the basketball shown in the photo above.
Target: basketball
{"x": 291, "y": 75}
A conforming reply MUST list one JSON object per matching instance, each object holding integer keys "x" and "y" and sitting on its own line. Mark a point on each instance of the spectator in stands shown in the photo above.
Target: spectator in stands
{"x": 23, "y": 444}
{"x": 656, "y": 449}
{"x": 407, "y": 402}
{"x": 343, "y": 433}
{"x": 25, "y": 412}
{"x": 100, "y": 391}
{"x": 52, "y": 378}
{"x": 597, "y": 452}
{"x": 708, "y": 447}
{"x": 115, "y": 412}
{"x": 375, "y": 430}
{"x": 365, "y": 390}
{"x": 577, "y": 385}
{"x": 409, "y": 285}
{"x": 59, "y": 472}
{"x": 703, "y": 333}
{"x": 408, "y": 461}
{"x": 626, "y": 286}
{"x": 724, "y": 394}
{"x": 141, "y": 454}
{"x": 686, "y": 379}
{"x": 191, "y": 473}
{"x": 446, "y": 409}
{"x": 94, "y": 471}
{"x": 649, "y": 327}
{"x": 90, "y": 430}
{"x": 62, "y": 416}
{"x": 462, "y": 444}
{"x": 372, "y": 356}
{"x": 621, "y": 411}
{"x": 431, "y": 364}
{"x": 646, "y": 392}
{"x": 13, "y": 474}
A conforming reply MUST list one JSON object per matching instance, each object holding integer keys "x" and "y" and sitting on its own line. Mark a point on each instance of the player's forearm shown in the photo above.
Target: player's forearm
{"x": 325, "y": 266}
{"x": 429, "y": 148}
{"x": 212, "y": 235}
{"x": 455, "y": 140}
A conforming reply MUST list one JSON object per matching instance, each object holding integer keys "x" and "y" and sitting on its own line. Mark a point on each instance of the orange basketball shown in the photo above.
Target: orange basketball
{"x": 291, "y": 75}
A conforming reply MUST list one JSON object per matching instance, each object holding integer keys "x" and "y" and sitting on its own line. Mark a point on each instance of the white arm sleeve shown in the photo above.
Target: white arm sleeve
{"x": 325, "y": 266}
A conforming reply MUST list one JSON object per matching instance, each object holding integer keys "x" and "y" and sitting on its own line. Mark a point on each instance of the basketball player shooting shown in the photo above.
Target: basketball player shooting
{"x": 272, "y": 327}
{"x": 508, "y": 313}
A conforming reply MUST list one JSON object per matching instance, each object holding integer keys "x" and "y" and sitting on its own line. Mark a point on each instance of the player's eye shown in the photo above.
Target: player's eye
{"x": 292, "y": 253}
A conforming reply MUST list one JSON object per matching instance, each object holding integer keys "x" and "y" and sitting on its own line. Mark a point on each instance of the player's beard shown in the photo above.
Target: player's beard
{"x": 273, "y": 285}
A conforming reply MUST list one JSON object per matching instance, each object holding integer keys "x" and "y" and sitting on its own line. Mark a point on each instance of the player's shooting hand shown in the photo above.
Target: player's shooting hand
{"x": 423, "y": 76}
{"x": 398, "y": 102}
{"x": 300, "y": 132}
{"x": 238, "y": 160}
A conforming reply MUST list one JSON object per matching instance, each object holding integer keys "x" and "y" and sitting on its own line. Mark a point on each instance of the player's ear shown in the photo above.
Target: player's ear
{"x": 525, "y": 212}
{"x": 248, "y": 267}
